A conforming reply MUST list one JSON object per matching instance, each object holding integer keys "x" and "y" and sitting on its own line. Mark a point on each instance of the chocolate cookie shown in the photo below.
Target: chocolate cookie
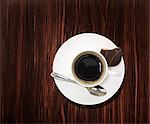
{"x": 113, "y": 57}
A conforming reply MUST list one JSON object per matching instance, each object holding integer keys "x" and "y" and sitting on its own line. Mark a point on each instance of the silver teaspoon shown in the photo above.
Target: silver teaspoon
{"x": 97, "y": 90}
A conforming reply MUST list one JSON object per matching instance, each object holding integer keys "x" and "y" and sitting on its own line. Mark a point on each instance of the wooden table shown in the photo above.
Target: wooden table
{"x": 31, "y": 33}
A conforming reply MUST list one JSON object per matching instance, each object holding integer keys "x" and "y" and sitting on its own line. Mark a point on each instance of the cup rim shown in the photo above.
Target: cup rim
{"x": 98, "y": 81}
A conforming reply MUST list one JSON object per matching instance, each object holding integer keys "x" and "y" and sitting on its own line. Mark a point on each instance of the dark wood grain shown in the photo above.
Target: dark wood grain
{"x": 31, "y": 31}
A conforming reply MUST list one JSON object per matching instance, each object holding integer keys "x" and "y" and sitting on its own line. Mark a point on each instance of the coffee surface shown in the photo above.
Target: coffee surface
{"x": 88, "y": 67}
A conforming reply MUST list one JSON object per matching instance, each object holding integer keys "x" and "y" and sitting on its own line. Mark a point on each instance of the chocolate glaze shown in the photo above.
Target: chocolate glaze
{"x": 113, "y": 57}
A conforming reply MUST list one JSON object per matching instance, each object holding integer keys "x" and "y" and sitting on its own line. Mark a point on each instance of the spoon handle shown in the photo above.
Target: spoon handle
{"x": 61, "y": 77}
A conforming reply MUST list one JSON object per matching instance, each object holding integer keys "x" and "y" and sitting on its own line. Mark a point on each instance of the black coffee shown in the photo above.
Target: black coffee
{"x": 88, "y": 67}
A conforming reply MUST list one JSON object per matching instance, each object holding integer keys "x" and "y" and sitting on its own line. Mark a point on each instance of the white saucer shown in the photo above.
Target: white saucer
{"x": 63, "y": 61}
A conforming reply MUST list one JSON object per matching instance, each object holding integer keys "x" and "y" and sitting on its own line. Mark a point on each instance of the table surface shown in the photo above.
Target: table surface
{"x": 31, "y": 33}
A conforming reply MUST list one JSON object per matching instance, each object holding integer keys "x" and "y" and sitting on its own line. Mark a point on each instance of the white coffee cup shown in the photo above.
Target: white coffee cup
{"x": 103, "y": 74}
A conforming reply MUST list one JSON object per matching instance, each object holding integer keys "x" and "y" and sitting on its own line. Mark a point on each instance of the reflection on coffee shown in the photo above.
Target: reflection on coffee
{"x": 88, "y": 67}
